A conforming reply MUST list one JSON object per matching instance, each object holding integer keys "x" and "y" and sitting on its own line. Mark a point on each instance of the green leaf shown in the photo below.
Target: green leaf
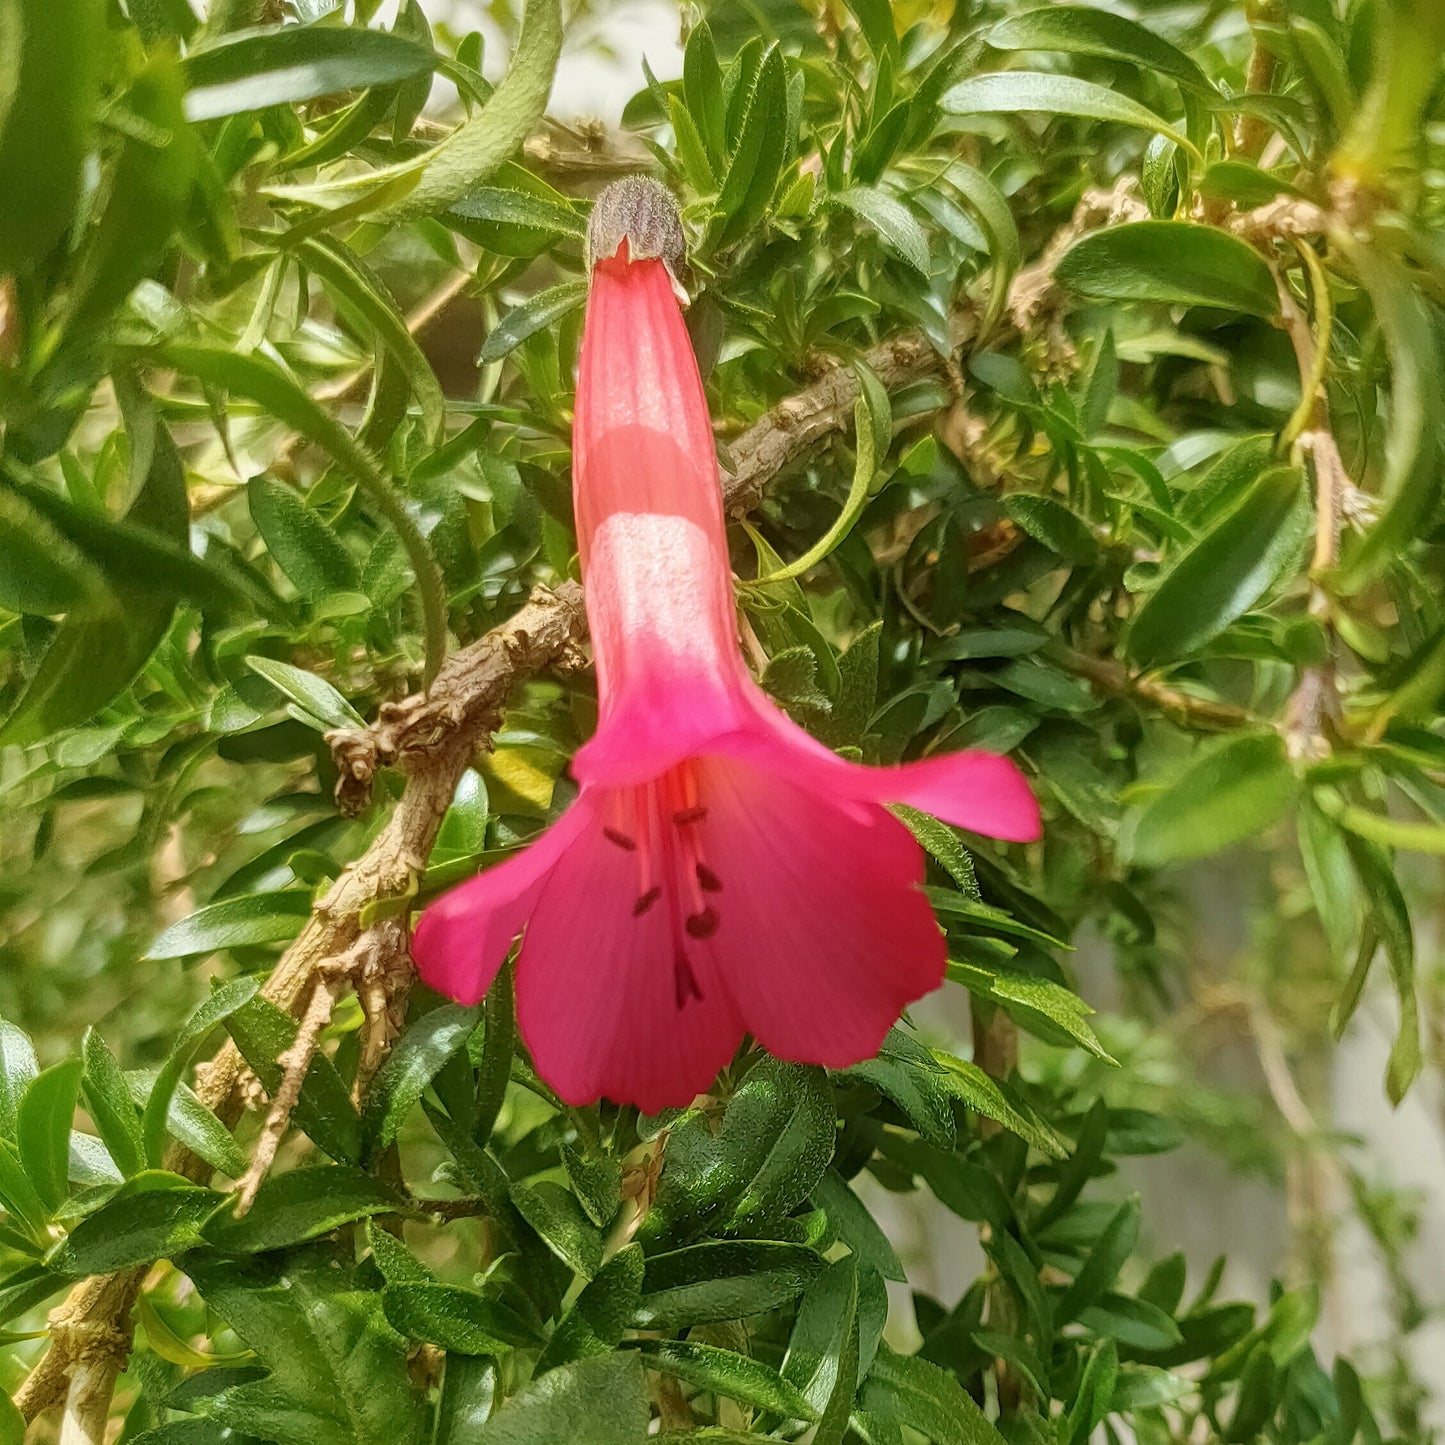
{"x": 1082, "y": 30}
{"x": 723, "y": 1372}
{"x": 437, "y": 178}
{"x": 53, "y": 91}
{"x": 155, "y": 1216}
{"x": 189, "y": 1121}
{"x": 752, "y": 172}
{"x": 727, "y": 1280}
{"x": 358, "y": 290}
{"x": 252, "y": 69}
{"x": 468, "y": 1395}
{"x": 302, "y": 545}
{"x": 1224, "y": 573}
{"x": 1410, "y": 484}
{"x": 855, "y": 1225}
{"x": 304, "y": 1204}
{"x": 1095, "y": 1393}
{"x": 928, "y": 1399}
{"x": 337, "y": 1370}
{"x": 215, "y": 1010}
{"x": 985, "y": 1095}
{"x": 1101, "y": 1266}
{"x": 109, "y": 1104}
{"x": 503, "y": 207}
{"x": 1177, "y": 263}
{"x": 313, "y": 696}
{"x": 891, "y": 219}
{"x": 494, "y": 1062}
{"x": 417, "y": 1058}
{"x": 842, "y": 1365}
{"x": 995, "y": 218}
{"x": 1035, "y": 1002}
{"x": 602, "y": 1401}
{"x": 702, "y": 90}
{"x": 42, "y": 1130}
{"x": 18, "y": 1069}
{"x": 245, "y": 921}
{"x": 1390, "y": 917}
{"x": 41, "y": 571}
{"x": 537, "y": 313}
{"x": 1008, "y": 92}
{"x": 323, "y": 1110}
{"x": 264, "y": 382}
{"x": 1049, "y": 521}
{"x": 150, "y": 190}
{"x": 602, "y": 1313}
{"x": 908, "y": 1075}
{"x": 458, "y": 1320}
{"x": 562, "y": 1225}
{"x": 98, "y": 650}
{"x": 12, "y": 1423}
{"x": 1232, "y": 790}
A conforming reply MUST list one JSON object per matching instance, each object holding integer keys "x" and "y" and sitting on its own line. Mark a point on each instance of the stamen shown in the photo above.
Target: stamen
{"x": 708, "y": 880}
{"x": 645, "y": 901}
{"x": 704, "y": 924}
{"x": 684, "y": 980}
{"x": 690, "y": 815}
{"x": 614, "y": 835}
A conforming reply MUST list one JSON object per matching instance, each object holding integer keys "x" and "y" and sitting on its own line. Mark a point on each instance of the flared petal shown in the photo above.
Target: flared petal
{"x": 823, "y": 936}
{"x": 983, "y": 792}
{"x": 603, "y": 1002}
{"x": 463, "y": 937}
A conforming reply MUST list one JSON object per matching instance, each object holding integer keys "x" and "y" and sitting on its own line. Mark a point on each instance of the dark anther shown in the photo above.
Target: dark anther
{"x": 684, "y": 980}
{"x": 704, "y": 924}
{"x": 708, "y": 881}
{"x": 645, "y": 901}
{"x": 628, "y": 845}
{"x": 689, "y": 815}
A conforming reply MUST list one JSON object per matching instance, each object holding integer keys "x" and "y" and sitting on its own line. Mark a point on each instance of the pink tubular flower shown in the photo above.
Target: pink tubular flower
{"x": 720, "y": 873}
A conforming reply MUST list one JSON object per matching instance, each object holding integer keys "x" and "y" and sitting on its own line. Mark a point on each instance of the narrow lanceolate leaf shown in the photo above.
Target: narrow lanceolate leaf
{"x": 602, "y": 1401}
{"x": 313, "y": 695}
{"x": 1224, "y": 573}
{"x": 299, "y": 1205}
{"x": 1175, "y": 262}
{"x": 538, "y": 312}
{"x": 753, "y": 170}
{"x": 290, "y": 63}
{"x": 891, "y": 219}
{"x": 263, "y": 381}
{"x": 18, "y": 1068}
{"x": 1009, "y": 92}
{"x": 42, "y": 1130}
{"x": 1084, "y": 30}
{"x": 705, "y": 1283}
{"x": 416, "y": 1060}
{"x": 1232, "y": 791}
{"x": 723, "y": 1372}
{"x": 1410, "y": 486}
{"x": 920, "y": 1394}
{"x": 251, "y": 918}
{"x": 156, "y": 1216}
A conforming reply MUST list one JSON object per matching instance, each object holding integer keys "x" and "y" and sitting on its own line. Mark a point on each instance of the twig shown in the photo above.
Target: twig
{"x": 1114, "y": 678}
{"x": 536, "y": 637}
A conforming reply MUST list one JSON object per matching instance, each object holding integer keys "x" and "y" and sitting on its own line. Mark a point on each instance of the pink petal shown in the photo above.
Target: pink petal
{"x": 983, "y": 792}
{"x": 823, "y": 934}
{"x": 463, "y": 938}
{"x": 670, "y": 678}
{"x": 597, "y": 989}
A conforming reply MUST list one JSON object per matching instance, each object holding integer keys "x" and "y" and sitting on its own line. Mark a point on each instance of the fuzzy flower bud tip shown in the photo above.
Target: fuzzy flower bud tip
{"x": 641, "y": 213}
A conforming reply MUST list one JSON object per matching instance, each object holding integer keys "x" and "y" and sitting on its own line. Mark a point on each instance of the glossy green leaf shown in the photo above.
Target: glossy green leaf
{"x": 18, "y": 1069}
{"x": 723, "y": 1372}
{"x": 41, "y": 571}
{"x": 214, "y": 1011}
{"x": 1084, "y": 30}
{"x": 928, "y": 1399}
{"x": 303, "y": 546}
{"x": 42, "y": 1129}
{"x": 459, "y": 1321}
{"x": 561, "y": 1224}
{"x": 156, "y": 1216}
{"x": 314, "y": 696}
{"x": 1176, "y": 263}
{"x": 1009, "y": 92}
{"x": 984, "y": 1094}
{"x": 856, "y": 1226}
{"x": 250, "y": 70}
{"x": 109, "y": 1104}
{"x": 1224, "y": 573}
{"x": 239, "y": 922}
{"x": 752, "y": 171}
{"x": 601, "y": 1314}
{"x": 603, "y": 1401}
{"x": 538, "y": 312}
{"x": 301, "y": 1205}
{"x": 1048, "y": 520}
{"x": 1231, "y": 791}
{"x": 413, "y": 1063}
{"x": 891, "y": 219}
{"x": 337, "y": 1371}
{"x": 722, "y": 1281}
